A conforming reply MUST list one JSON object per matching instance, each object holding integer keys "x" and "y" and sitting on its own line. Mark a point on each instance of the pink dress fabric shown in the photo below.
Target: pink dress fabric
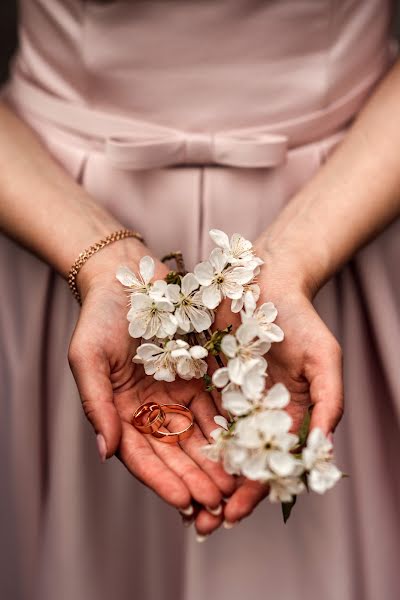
{"x": 179, "y": 117}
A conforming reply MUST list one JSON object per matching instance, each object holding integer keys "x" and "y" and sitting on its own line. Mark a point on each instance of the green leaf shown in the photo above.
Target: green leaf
{"x": 305, "y": 426}
{"x": 287, "y": 508}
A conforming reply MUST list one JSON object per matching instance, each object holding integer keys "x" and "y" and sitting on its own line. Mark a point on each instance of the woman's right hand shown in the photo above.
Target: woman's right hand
{"x": 111, "y": 387}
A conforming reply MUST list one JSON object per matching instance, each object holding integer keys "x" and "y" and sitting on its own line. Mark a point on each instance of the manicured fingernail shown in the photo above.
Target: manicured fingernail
{"x": 101, "y": 447}
{"x": 228, "y": 525}
{"x": 215, "y": 511}
{"x": 201, "y": 538}
{"x": 187, "y": 511}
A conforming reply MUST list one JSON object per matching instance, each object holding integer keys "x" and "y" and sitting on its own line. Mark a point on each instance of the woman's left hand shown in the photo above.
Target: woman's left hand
{"x": 308, "y": 362}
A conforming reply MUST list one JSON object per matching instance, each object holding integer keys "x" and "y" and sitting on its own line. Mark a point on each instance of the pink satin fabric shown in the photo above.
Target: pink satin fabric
{"x": 178, "y": 117}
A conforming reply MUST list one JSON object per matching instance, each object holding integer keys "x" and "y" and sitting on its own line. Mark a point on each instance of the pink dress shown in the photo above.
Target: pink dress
{"x": 179, "y": 117}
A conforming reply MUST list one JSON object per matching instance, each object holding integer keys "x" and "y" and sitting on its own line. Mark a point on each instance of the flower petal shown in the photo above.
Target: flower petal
{"x": 273, "y": 422}
{"x": 189, "y": 284}
{"x": 200, "y": 319}
{"x": 242, "y": 275}
{"x": 221, "y": 421}
{"x": 141, "y": 302}
{"x": 218, "y": 259}
{"x": 137, "y": 327}
{"x": 211, "y": 296}
{"x": 229, "y": 345}
{"x": 127, "y": 277}
{"x": 220, "y": 377}
{"x": 268, "y": 311}
{"x": 255, "y": 467}
{"x": 219, "y": 238}
{"x": 147, "y": 351}
{"x": 146, "y": 268}
{"x": 323, "y": 478}
{"x": 249, "y": 303}
{"x": 197, "y": 352}
{"x": 237, "y": 304}
{"x": 236, "y": 403}
{"x": 236, "y": 370}
{"x": 204, "y": 273}
{"x": 182, "y": 319}
{"x": 277, "y": 397}
{"x": 173, "y": 292}
{"x": 274, "y": 333}
{"x": 282, "y": 463}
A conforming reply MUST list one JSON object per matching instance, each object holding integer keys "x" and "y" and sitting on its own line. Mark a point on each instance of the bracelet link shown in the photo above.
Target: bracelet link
{"x": 88, "y": 252}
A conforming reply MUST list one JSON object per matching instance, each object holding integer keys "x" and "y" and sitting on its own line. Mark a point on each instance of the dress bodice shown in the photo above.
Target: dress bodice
{"x": 204, "y": 65}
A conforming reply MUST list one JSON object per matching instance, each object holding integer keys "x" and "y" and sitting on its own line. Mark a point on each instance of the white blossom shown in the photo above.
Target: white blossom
{"x": 219, "y": 280}
{"x": 237, "y": 250}
{"x": 253, "y": 288}
{"x": 151, "y": 317}
{"x": 214, "y": 450}
{"x": 318, "y": 460}
{"x": 189, "y": 361}
{"x": 242, "y": 347}
{"x": 282, "y": 489}
{"x": 157, "y": 360}
{"x": 264, "y": 316}
{"x": 258, "y": 442}
{"x": 142, "y": 284}
{"x": 267, "y": 435}
{"x": 190, "y": 312}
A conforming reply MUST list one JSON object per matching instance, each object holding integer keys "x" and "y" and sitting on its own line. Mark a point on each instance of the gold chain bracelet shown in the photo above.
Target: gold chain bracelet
{"x": 83, "y": 257}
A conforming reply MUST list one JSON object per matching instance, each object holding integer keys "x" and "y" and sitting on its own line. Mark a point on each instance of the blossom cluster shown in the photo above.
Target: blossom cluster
{"x": 173, "y": 317}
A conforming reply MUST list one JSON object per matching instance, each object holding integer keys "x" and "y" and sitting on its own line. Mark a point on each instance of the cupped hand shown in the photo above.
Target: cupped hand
{"x": 111, "y": 387}
{"x": 308, "y": 362}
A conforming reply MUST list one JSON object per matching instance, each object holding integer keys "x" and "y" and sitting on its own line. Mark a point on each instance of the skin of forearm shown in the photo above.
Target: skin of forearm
{"x": 353, "y": 196}
{"x": 41, "y": 206}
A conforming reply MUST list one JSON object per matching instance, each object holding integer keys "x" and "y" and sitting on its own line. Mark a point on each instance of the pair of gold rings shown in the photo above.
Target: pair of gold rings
{"x": 156, "y": 414}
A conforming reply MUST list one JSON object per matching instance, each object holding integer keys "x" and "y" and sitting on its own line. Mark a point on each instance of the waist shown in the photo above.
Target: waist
{"x": 135, "y": 144}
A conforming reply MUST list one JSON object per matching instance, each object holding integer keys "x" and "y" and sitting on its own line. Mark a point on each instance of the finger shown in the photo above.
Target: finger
{"x": 140, "y": 459}
{"x": 201, "y": 486}
{"x": 244, "y": 500}
{"x": 206, "y": 524}
{"x": 326, "y": 391}
{"x": 204, "y": 412}
{"x": 92, "y": 375}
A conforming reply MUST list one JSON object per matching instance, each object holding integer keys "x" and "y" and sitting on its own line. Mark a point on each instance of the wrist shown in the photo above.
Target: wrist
{"x": 99, "y": 271}
{"x": 293, "y": 262}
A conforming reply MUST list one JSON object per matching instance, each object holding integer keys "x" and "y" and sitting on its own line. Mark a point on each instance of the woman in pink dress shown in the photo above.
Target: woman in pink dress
{"x": 171, "y": 118}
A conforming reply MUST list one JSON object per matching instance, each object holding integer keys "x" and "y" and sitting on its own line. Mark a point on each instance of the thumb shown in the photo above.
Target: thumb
{"x": 92, "y": 376}
{"x": 326, "y": 390}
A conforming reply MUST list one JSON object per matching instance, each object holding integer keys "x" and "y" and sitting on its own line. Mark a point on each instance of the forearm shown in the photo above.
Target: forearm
{"x": 41, "y": 206}
{"x": 351, "y": 198}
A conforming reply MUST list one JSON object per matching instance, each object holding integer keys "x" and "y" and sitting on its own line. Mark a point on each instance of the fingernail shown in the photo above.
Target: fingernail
{"x": 187, "y": 511}
{"x": 228, "y": 525}
{"x": 201, "y": 538}
{"x": 101, "y": 447}
{"x": 215, "y": 511}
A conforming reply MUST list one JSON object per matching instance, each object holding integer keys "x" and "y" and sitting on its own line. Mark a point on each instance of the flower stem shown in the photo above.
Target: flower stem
{"x": 178, "y": 257}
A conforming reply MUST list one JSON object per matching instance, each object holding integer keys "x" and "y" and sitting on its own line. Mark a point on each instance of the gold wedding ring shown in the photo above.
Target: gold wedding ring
{"x": 170, "y": 437}
{"x": 155, "y": 414}
{"x": 155, "y": 417}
